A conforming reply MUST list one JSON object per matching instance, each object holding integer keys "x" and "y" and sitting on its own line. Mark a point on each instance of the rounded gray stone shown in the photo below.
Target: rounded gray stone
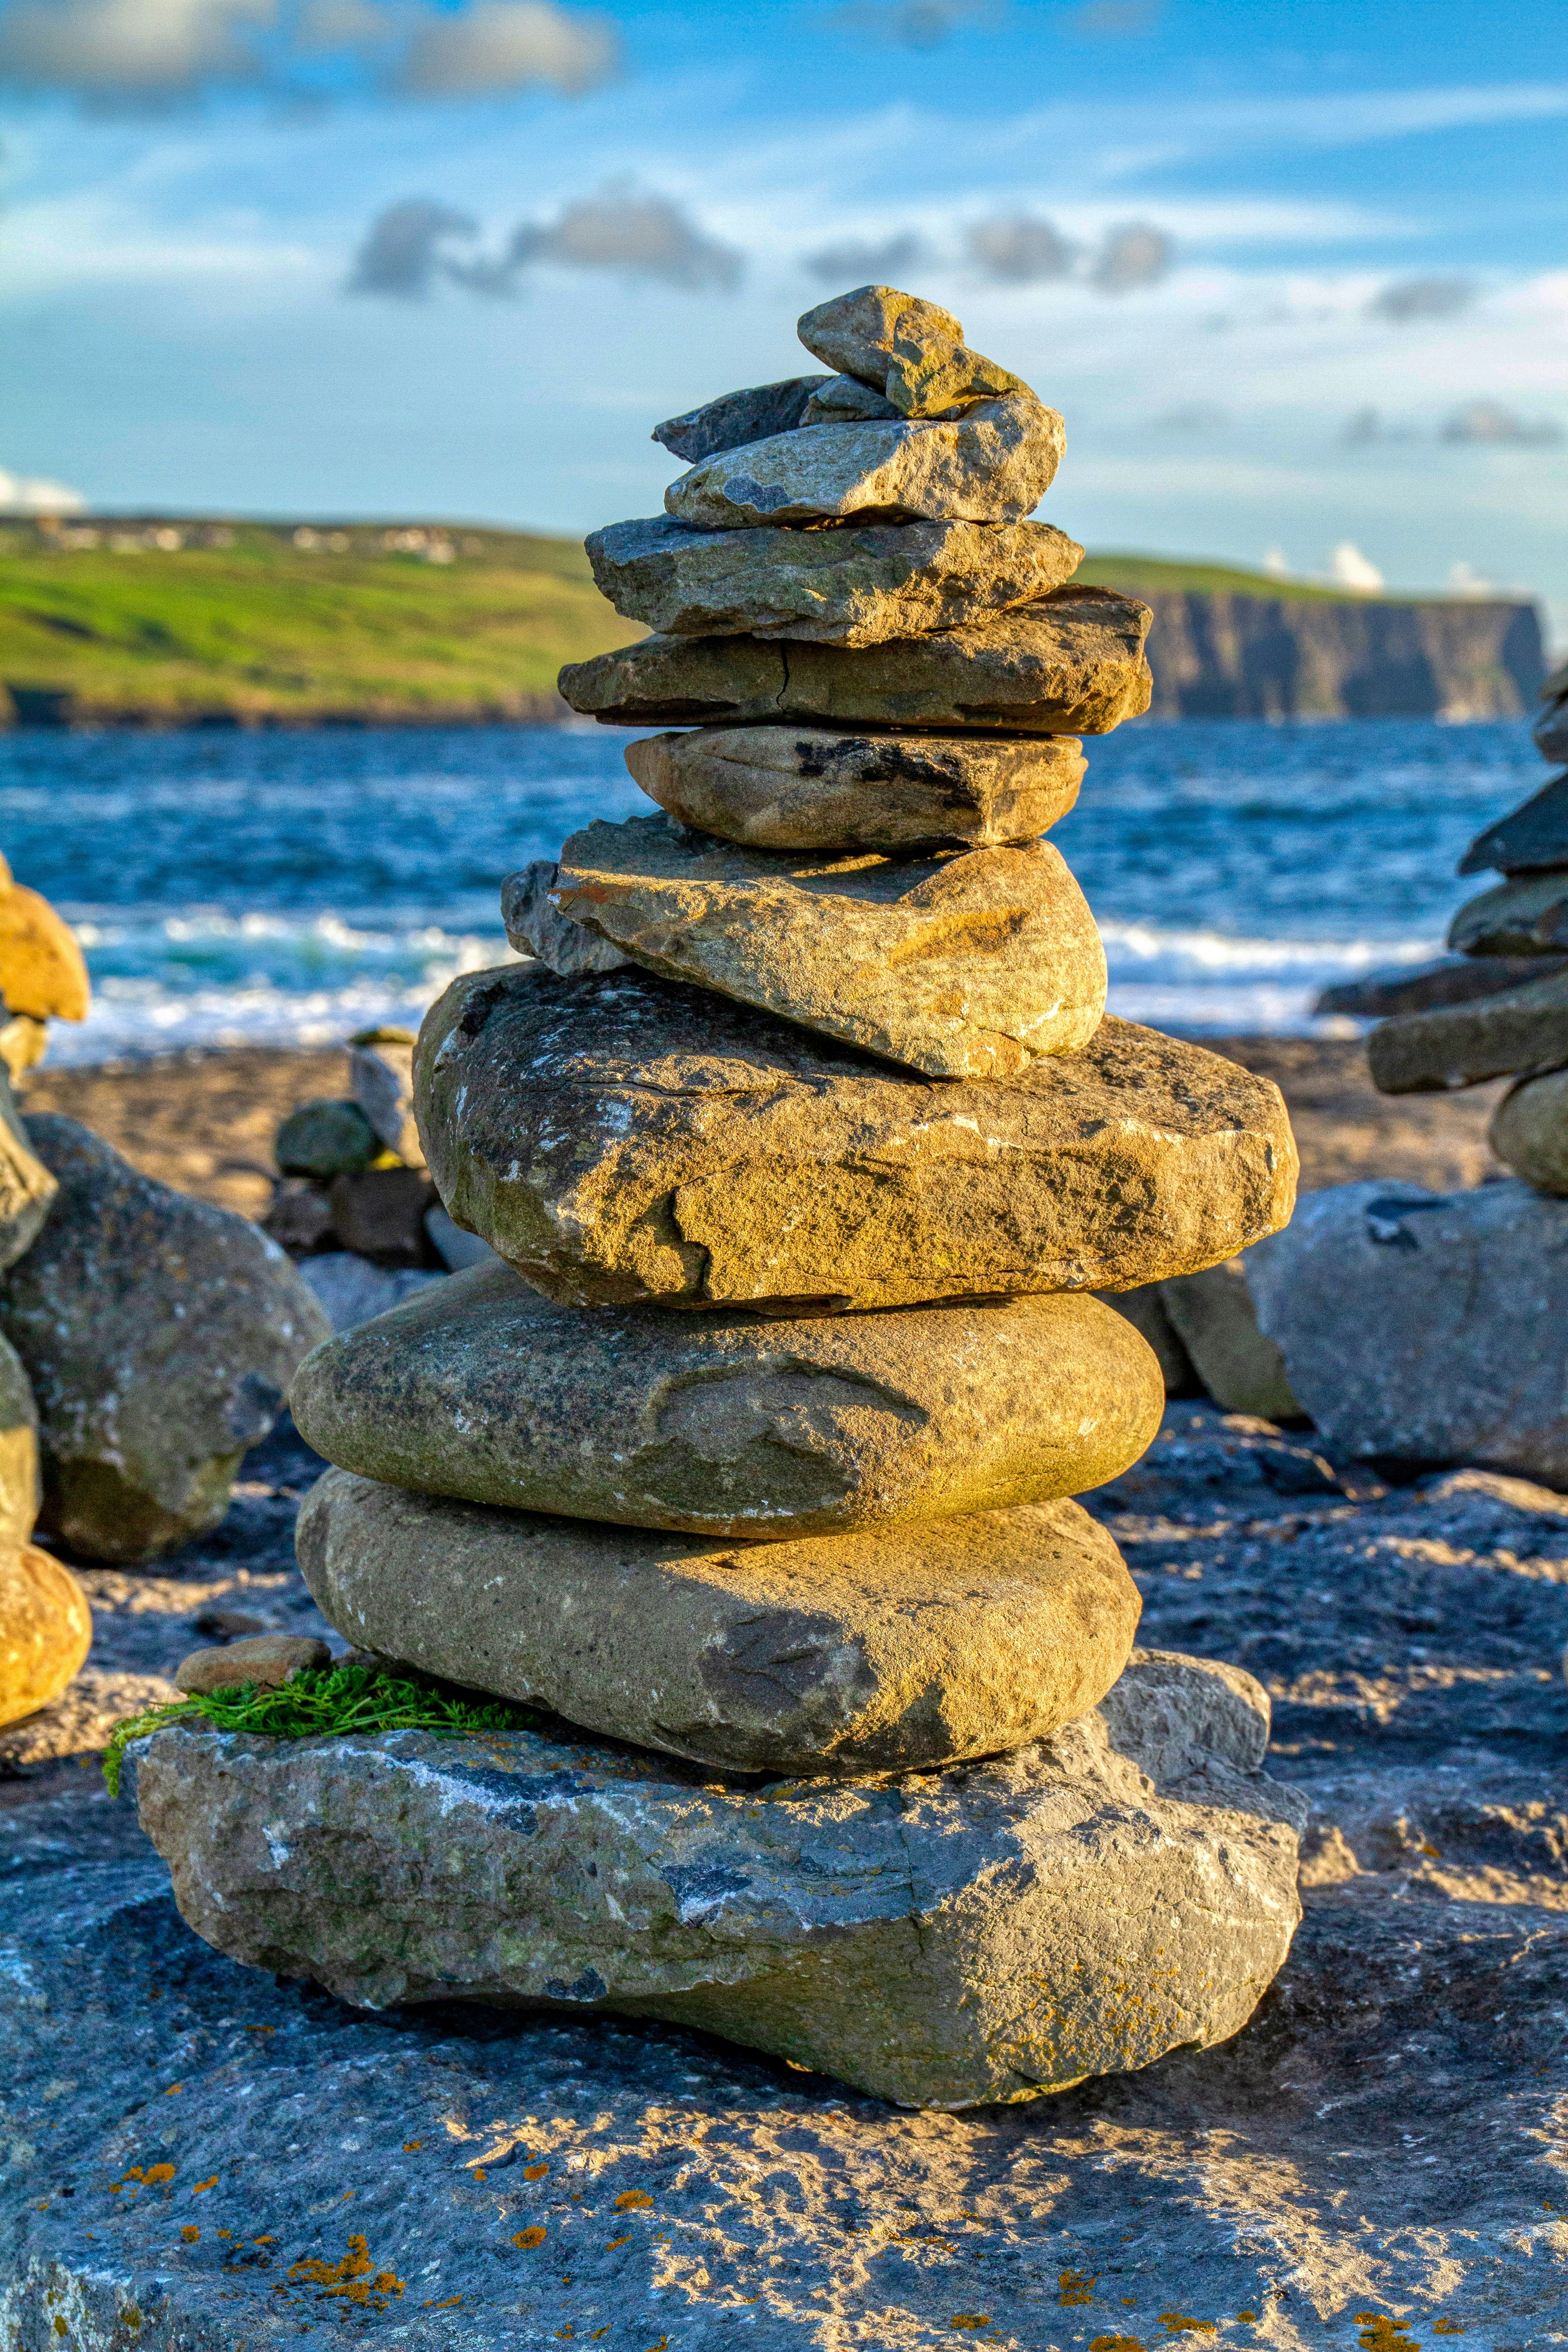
{"x": 732, "y": 1425}
{"x": 326, "y": 1138}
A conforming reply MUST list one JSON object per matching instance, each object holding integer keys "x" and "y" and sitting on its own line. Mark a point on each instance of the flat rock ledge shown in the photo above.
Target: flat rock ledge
{"x": 989, "y": 1933}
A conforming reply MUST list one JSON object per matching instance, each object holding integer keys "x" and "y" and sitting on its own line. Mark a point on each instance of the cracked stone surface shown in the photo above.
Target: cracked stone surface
{"x": 1388, "y": 2136}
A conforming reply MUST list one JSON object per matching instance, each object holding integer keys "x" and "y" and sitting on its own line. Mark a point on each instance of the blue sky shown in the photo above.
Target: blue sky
{"x": 1296, "y": 275}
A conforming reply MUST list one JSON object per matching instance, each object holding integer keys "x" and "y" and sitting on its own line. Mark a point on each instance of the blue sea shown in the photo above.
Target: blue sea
{"x": 289, "y": 889}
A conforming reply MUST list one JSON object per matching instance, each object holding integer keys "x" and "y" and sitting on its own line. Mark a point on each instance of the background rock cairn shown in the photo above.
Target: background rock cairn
{"x": 805, "y": 1141}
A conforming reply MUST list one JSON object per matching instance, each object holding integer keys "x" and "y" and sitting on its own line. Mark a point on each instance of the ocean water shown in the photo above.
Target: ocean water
{"x": 287, "y": 888}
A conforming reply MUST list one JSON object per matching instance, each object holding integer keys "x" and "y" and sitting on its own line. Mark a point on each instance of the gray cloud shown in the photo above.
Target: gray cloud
{"x": 1019, "y": 250}
{"x": 1485, "y": 421}
{"x": 1404, "y": 299}
{"x": 406, "y": 253}
{"x": 1196, "y": 417}
{"x": 909, "y": 24}
{"x": 867, "y": 263}
{"x": 119, "y": 53}
{"x": 1133, "y": 256}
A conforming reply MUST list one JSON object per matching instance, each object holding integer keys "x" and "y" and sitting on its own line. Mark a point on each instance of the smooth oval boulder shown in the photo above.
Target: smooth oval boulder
{"x": 991, "y": 1932}
{"x": 855, "y": 586}
{"x": 814, "y": 788}
{"x": 158, "y": 1335}
{"x": 1071, "y": 664}
{"x": 969, "y": 965}
{"x": 992, "y": 463}
{"x": 46, "y": 1629}
{"x": 326, "y": 1137}
{"x": 43, "y": 973}
{"x": 619, "y": 1137}
{"x": 1529, "y": 1131}
{"x": 729, "y": 1424}
{"x": 835, "y": 1653}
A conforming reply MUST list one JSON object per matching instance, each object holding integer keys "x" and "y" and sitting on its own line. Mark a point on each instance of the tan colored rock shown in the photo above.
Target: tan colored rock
{"x": 266, "y": 1660}
{"x": 1525, "y": 915}
{"x": 911, "y": 351}
{"x": 1071, "y": 663}
{"x": 1463, "y": 1045}
{"x": 986, "y": 1933}
{"x": 1214, "y": 1316}
{"x": 856, "y": 586}
{"x": 731, "y": 1425}
{"x": 381, "y": 1079}
{"x": 19, "y": 1487}
{"x": 23, "y": 1044}
{"x": 42, "y": 973}
{"x": 46, "y": 1629}
{"x": 849, "y": 1654}
{"x": 620, "y": 1138}
{"x": 994, "y": 463}
{"x": 1529, "y": 1131}
{"x": 969, "y": 965}
{"x": 754, "y": 414}
{"x": 814, "y": 788}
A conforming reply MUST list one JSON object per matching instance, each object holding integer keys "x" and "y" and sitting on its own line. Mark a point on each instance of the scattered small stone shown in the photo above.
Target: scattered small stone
{"x": 456, "y": 1250}
{"x": 1423, "y": 987}
{"x": 81, "y": 1720}
{"x": 268, "y": 1660}
{"x": 300, "y": 1219}
{"x": 350, "y": 1289}
{"x": 380, "y": 1215}
{"x": 326, "y": 1138}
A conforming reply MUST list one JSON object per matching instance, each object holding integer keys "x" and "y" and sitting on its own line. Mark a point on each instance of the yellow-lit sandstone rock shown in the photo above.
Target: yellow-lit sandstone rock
{"x": 46, "y": 1629}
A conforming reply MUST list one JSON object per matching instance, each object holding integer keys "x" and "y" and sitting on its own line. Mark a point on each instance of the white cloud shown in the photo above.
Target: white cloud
{"x": 23, "y": 494}
{"x": 131, "y": 52}
{"x": 505, "y": 45}
{"x": 1349, "y": 568}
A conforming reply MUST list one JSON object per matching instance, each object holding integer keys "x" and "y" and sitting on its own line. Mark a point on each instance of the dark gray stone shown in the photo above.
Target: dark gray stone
{"x": 1534, "y": 834}
{"x": 754, "y": 414}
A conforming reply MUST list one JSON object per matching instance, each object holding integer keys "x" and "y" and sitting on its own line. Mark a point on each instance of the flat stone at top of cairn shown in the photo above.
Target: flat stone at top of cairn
{"x": 968, "y": 965}
{"x": 814, "y": 788}
{"x": 732, "y": 1425}
{"x": 1533, "y": 836}
{"x": 621, "y": 1138}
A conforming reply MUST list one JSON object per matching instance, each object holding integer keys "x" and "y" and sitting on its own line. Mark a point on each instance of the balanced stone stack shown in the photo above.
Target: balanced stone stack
{"x": 804, "y": 1138}
{"x": 1515, "y": 1022}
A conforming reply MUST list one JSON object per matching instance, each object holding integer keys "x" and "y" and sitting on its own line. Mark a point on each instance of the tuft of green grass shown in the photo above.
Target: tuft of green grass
{"x": 322, "y": 1703}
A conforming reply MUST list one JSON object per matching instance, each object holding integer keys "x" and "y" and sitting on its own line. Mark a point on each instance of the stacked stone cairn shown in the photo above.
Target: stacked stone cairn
{"x": 1513, "y": 1019}
{"x": 804, "y": 1139}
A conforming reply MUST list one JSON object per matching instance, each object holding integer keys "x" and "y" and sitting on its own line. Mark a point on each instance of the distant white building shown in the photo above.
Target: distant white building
{"x": 29, "y": 494}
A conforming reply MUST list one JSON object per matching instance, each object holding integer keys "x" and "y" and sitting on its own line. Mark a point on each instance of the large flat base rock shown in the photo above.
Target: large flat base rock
{"x": 1424, "y": 1326}
{"x": 991, "y": 1932}
{"x": 732, "y": 1425}
{"x": 619, "y": 1137}
{"x": 846, "y": 1655}
{"x": 963, "y": 966}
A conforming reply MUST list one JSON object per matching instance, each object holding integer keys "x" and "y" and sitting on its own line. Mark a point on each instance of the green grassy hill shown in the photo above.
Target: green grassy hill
{"x": 1142, "y": 575}
{"x": 174, "y": 622}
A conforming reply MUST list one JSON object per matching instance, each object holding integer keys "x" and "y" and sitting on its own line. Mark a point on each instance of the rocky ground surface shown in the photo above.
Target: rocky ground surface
{"x": 205, "y": 2156}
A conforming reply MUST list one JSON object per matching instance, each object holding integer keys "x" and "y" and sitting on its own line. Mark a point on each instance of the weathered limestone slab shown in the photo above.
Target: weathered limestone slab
{"x": 1425, "y": 1327}
{"x": 731, "y": 1425}
{"x": 1526, "y": 915}
{"x": 841, "y": 1654}
{"x": 1217, "y": 1322}
{"x": 1071, "y": 664}
{"x": 985, "y": 1934}
{"x": 845, "y": 400}
{"x": 992, "y": 463}
{"x": 970, "y": 965}
{"x": 46, "y": 1629}
{"x": 913, "y": 352}
{"x": 814, "y": 788}
{"x": 535, "y": 926}
{"x": 1462, "y": 1045}
{"x": 1534, "y": 835}
{"x": 158, "y": 1335}
{"x": 1529, "y": 1131}
{"x": 620, "y": 1138}
{"x": 855, "y": 586}
{"x": 753, "y": 414}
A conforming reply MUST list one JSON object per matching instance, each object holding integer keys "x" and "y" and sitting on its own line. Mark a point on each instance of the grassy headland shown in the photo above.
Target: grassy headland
{"x": 166, "y": 621}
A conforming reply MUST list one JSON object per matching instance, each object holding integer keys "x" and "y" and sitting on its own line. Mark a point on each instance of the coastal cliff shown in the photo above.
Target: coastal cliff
{"x": 1238, "y": 646}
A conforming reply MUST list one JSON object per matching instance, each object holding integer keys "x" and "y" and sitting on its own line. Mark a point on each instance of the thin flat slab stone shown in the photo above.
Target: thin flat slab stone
{"x": 1524, "y": 916}
{"x": 855, "y": 586}
{"x": 1420, "y": 988}
{"x": 1071, "y": 664}
{"x": 984, "y": 1934}
{"x": 966, "y": 966}
{"x": 1534, "y": 835}
{"x": 731, "y": 1425}
{"x": 754, "y": 414}
{"x": 535, "y": 926}
{"x": 1464, "y": 1044}
{"x": 814, "y": 788}
{"x": 620, "y": 1138}
{"x": 839, "y": 1654}
{"x": 994, "y": 463}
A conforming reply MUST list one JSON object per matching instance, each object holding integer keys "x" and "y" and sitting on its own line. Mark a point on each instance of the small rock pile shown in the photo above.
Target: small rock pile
{"x": 1517, "y": 932}
{"x": 752, "y": 1465}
